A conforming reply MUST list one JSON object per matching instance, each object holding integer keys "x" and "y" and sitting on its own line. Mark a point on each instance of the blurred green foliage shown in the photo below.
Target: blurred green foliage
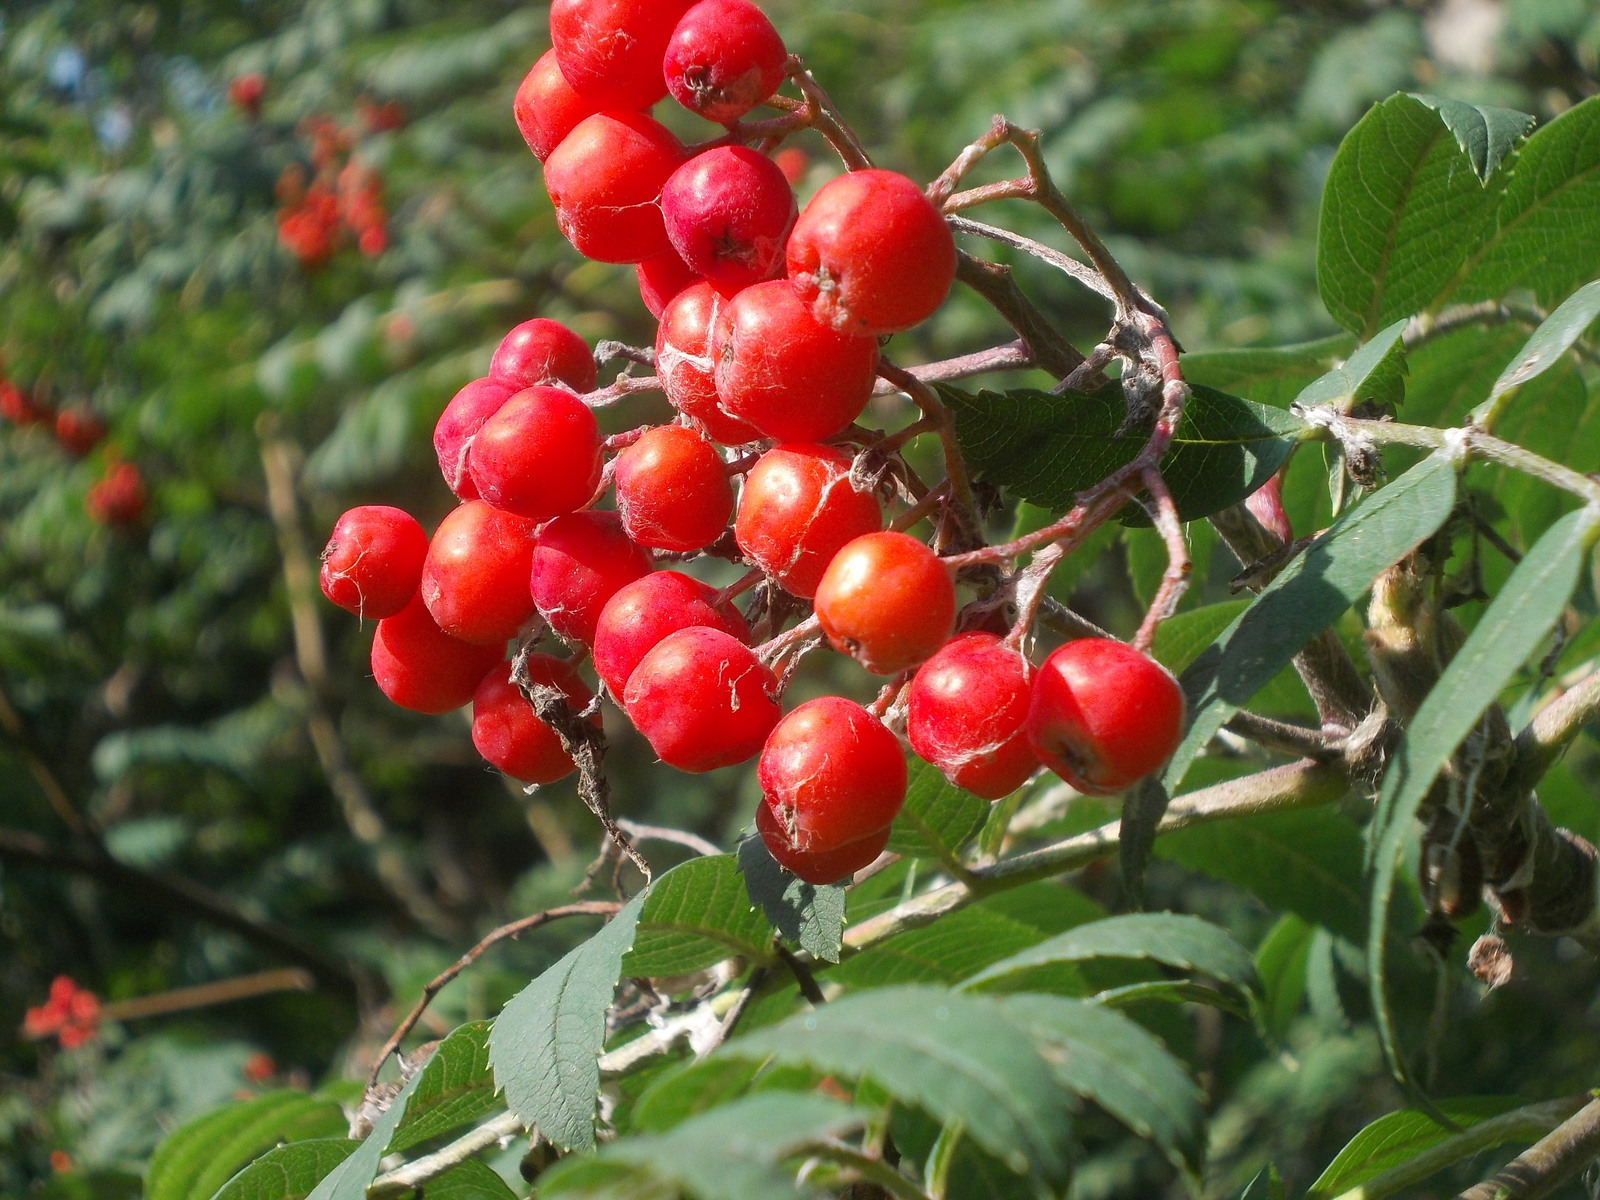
{"x": 159, "y": 711}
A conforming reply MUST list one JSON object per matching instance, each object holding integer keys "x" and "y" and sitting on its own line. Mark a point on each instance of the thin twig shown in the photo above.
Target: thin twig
{"x": 1175, "y": 579}
{"x": 1065, "y": 263}
{"x": 409, "y": 1178}
{"x": 280, "y": 462}
{"x": 185, "y": 895}
{"x": 1542, "y": 1168}
{"x": 16, "y": 729}
{"x": 582, "y": 908}
{"x": 801, "y": 972}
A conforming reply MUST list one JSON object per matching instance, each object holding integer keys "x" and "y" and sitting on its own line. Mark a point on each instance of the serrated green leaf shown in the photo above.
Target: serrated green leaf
{"x": 1401, "y": 200}
{"x": 693, "y": 1088}
{"x": 1172, "y": 939}
{"x": 545, "y": 1045}
{"x": 1271, "y": 375}
{"x": 964, "y": 942}
{"x": 1308, "y": 596}
{"x": 951, "y": 1054}
{"x": 1544, "y": 234}
{"x": 1182, "y": 636}
{"x": 806, "y": 914}
{"x": 937, "y": 818}
{"x": 1406, "y": 1136}
{"x": 1046, "y": 448}
{"x": 1114, "y": 1062}
{"x": 290, "y": 1172}
{"x": 1511, "y": 628}
{"x": 1486, "y": 135}
{"x": 1306, "y": 861}
{"x": 456, "y": 1088}
{"x": 198, "y": 1158}
{"x": 1555, "y": 336}
{"x": 732, "y": 1152}
{"x": 472, "y": 1180}
{"x": 696, "y": 915}
{"x": 349, "y": 1180}
{"x": 1281, "y": 960}
{"x": 1375, "y": 373}
{"x": 1170, "y": 991}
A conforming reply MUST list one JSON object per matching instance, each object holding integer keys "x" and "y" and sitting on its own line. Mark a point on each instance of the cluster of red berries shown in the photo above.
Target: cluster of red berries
{"x": 71, "y": 1014}
{"x": 343, "y": 194}
{"x": 117, "y": 498}
{"x": 769, "y": 319}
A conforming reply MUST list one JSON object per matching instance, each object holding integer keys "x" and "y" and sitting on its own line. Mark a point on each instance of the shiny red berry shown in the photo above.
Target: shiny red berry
{"x": 831, "y": 774}
{"x": 507, "y": 731}
{"x": 870, "y": 254}
{"x": 967, "y": 714}
{"x": 797, "y": 510}
{"x": 372, "y": 564}
{"x": 702, "y": 700}
{"x": 887, "y": 601}
{"x": 1103, "y": 716}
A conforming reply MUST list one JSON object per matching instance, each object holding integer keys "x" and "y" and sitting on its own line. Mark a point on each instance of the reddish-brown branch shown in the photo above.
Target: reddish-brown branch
{"x": 582, "y": 908}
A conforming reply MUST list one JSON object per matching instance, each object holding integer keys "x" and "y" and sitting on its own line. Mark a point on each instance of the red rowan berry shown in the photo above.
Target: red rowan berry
{"x": 778, "y": 369}
{"x": 673, "y": 490}
{"x": 702, "y": 700}
{"x": 870, "y": 254}
{"x": 542, "y": 351}
{"x": 887, "y": 601}
{"x": 724, "y": 58}
{"x": 683, "y": 363}
{"x": 1103, "y": 716}
{"x": 372, "y": 564}
{"x": 580, "y": 560}
{"x": 538, "y": 455}
{"x": 728, "y": 211}
{"x": 642, "y": 613}
{"x": 818, "y": 866}
{"x": 611, "y": 51}
{"x": 421, "y": 667}
{"x": 797, "y": 510}
{"x": 967, "y": 714}
{"x": 832, "y": 774}
{"x": 508, "y": 732}
{"x": 546, "y": 108}
{"x": 605, "y": 180}
{"x": 474, "y": 579}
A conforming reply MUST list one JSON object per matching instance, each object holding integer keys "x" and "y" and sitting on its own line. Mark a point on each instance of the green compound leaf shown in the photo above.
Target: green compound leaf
{"x": 963, "y": 942}
{"x": 1307, "y": 597}
{"x": 290, "y": 1172}
{"x": 1399, "y": 208}
{"x": 733, "y": 1152}
{"x": 472, "y": 1180}
{"x": 1271, "y": 375}
{"x": 1111, "y": 1060}
{"x": 1413, "y": 1142}
{"x": 1282, "y": 961}
{"x": 1555, "y": 336}
{"x": 1375, "y": 373}
{"x": 1171, "y": 939}
{"x": 953, "y": 1055}
{"x": 1305, "y": 861}
{"x": 809, "y": 915}
{"x": 1485, "y": 135}
{"x": 938, "y": 818}
{"x": 1544, "y": 234}
{"x": 456, "y": 1088}
{"x": 1509, "y": 631}
{"x": 1047, "y": 448}
{"x": 697, "y": 914}
{"x": 198, "y": 1158}
{"x": 545, "y": 1045}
